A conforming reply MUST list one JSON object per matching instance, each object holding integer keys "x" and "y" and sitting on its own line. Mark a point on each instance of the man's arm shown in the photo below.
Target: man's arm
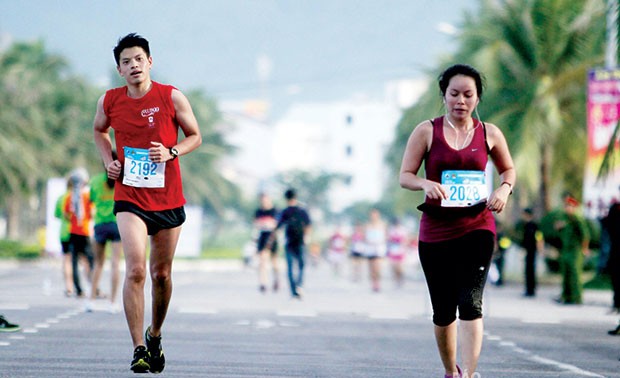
{"x": 101, "y": 130}
{"x": 184, "y": 115}
{"x": 188, "y": 123}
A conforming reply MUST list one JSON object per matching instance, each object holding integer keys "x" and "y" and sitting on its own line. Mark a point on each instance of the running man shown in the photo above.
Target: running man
{"x": 297, "y": 225}
{"x": 146, "y": 117}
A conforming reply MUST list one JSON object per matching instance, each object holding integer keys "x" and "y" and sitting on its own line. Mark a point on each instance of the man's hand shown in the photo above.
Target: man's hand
{"x": 159, "y": 153}
{"x": 114, "y": 170}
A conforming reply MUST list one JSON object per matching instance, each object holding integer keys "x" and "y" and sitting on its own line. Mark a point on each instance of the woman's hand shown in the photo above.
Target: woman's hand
{"x": 434, "y": 190}
{"x": 498, "y": 199}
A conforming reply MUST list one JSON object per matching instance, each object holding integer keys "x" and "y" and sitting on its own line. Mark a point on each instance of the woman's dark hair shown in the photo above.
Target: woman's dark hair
{"x": 460, "y": 69}
{"x": 129, "y": 41}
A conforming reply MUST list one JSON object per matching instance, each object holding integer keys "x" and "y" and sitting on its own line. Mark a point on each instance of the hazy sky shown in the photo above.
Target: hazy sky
{"x": 314, "y": 50}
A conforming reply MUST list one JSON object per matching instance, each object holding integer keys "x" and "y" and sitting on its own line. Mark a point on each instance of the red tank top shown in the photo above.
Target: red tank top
{"x": 441, "y": 156}
{"x": 136, "y": 123}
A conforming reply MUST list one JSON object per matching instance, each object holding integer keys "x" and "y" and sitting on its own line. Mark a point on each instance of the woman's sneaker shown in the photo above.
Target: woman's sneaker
{"x": 140, "y": 363}
{"x": 156, "y": 353}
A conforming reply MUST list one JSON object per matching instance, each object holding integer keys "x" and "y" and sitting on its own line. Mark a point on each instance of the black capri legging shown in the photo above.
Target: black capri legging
{"x": 456, "y": 271}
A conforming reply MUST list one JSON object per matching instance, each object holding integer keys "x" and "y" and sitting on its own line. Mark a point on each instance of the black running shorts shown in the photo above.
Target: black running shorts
{"x": 155, "y": 220}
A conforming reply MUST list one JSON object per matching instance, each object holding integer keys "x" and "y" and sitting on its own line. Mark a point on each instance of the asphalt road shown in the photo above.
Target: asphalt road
{"x": 219, "y": 325}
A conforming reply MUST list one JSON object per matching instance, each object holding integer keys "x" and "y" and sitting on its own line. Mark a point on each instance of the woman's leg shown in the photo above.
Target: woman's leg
{"x": 471, "y": 334}
{"x": 446, "y": 338}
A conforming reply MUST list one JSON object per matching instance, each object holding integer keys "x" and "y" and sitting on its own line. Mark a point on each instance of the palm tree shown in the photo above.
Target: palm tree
{"x": 536, "y": 54}
{"x": 42, "y": 109}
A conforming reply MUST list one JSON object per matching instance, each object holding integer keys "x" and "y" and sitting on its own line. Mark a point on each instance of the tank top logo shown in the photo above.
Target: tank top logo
{"x": 149, "y": 113}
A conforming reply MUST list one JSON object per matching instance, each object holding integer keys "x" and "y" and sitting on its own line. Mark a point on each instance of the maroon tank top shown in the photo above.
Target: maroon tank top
{"x": 451, "y": 223}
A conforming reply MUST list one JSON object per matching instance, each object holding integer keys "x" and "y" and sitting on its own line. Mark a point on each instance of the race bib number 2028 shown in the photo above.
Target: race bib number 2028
{"x": 465, "y": 188}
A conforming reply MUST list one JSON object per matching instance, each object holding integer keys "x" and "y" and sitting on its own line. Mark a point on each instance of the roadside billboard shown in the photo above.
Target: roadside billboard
{"x": 603, "y": 114}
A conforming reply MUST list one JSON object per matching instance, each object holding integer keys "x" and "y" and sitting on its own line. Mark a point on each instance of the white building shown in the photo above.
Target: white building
{"x": 349, "y": 137}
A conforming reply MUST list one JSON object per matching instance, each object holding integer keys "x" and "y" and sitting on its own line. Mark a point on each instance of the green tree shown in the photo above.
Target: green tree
{"x": 42, "y": 109}
{"x": 203, "y": 182}
{"x": 312, "y": 187}
{"x": 536, "y": 55}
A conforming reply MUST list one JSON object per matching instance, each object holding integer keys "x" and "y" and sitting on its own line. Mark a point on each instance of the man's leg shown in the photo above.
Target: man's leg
{"x": 289, "y": 267}
{"x": 133, "y": 238}
{"x": 530, "y": 272}
{"x": 99, "y": 261}
{"x": 163, "y": 246}
{"x": 301, "y": 264}
{"x": 115, "y": 269}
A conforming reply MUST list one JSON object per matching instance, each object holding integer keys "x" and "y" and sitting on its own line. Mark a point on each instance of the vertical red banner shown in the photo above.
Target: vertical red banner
{"x": 603, "y": 114}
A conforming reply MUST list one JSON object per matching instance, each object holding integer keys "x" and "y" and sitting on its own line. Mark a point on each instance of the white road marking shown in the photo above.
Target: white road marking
{"x": 542, "y": 360}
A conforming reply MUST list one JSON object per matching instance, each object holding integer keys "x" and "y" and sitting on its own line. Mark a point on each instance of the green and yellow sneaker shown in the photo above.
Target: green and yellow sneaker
{"x": 156, "y": 353}
{"x": 140, "y": 363}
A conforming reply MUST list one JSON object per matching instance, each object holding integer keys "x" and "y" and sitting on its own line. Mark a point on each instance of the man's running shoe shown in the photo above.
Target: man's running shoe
{"x": 156, "y": 353}
{"x": 6, "y": 326}
{"x": 140, "y": 363}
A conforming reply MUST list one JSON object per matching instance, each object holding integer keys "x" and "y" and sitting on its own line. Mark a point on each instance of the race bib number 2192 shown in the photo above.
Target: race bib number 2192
{"x": 140, "y": 171}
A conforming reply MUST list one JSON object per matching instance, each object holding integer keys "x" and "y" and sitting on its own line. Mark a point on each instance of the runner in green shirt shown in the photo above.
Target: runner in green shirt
{"x": 106, "y": 230}
{"x": 67, "y": 268}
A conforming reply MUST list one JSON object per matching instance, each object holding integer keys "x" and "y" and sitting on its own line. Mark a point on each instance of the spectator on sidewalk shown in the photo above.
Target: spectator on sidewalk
{"x": 575, "y": 239}
{"x": 532, "y": 241}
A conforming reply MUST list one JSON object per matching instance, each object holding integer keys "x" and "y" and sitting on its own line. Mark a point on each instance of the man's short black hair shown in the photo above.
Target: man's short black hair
{"x": 290, "y": 194}
{"x": 128, "y": 41}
